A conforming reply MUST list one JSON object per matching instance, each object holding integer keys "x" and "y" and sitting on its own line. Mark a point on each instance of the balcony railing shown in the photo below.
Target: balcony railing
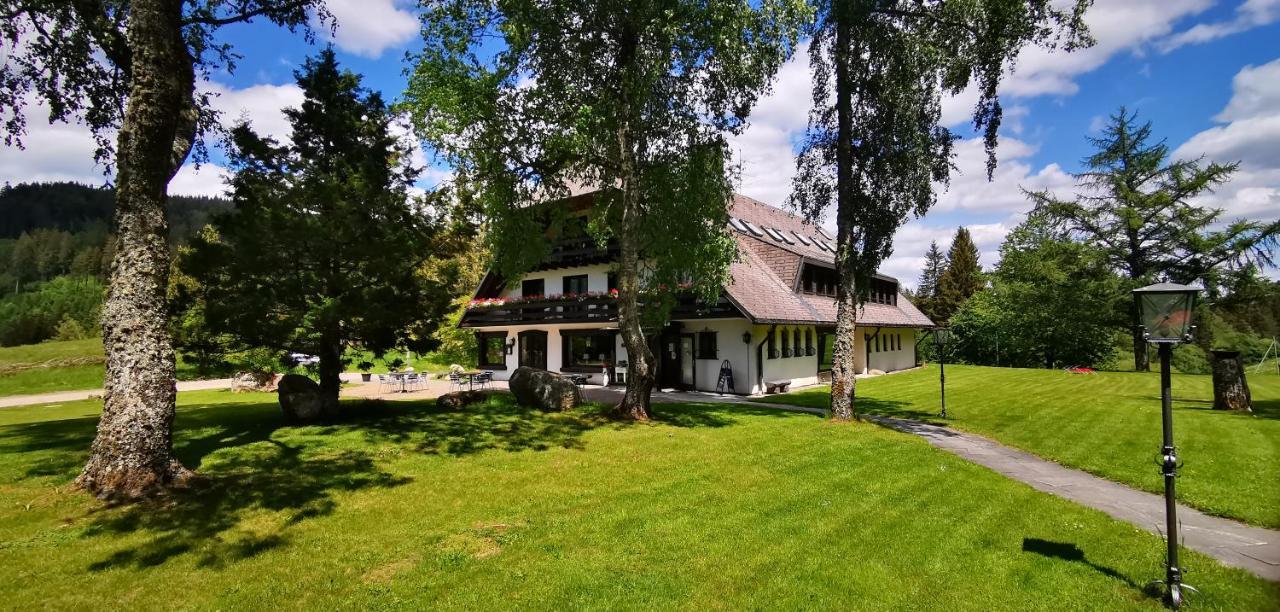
{"x": 550, "y": 310}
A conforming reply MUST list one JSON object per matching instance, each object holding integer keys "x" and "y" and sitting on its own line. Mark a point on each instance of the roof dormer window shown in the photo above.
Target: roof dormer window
{"x": 737, "y": 224}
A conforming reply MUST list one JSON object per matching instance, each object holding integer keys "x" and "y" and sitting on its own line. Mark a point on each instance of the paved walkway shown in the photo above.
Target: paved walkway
{"x": 1254, "y": 549}
{"x": 72, "y": 396}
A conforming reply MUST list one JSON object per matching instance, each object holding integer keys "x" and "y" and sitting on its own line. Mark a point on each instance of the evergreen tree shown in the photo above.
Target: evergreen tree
{"x": 875, "y": 145}
{"x": 1137, "y": 206}
{"x": 961, "y": 279}
{"x": 324, "y": 249}
{"x": 926, "y": 294}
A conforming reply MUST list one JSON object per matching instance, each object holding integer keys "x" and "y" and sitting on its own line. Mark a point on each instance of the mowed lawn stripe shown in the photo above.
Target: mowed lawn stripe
{"x": 1107, "y": 424}
{"x": 496, "y": 507}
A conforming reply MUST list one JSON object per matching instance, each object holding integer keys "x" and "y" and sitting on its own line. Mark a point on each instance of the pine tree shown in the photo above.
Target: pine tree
{"x": 961, "y": 279}
{"x": 927, "y": 290}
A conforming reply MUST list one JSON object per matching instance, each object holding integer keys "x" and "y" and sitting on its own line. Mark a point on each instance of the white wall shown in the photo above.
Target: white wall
{"x": 729, "y": 345}
{"x": 886, "y": 359}
{"x": 801, "y": 369}
{"x": 553, "y": 280}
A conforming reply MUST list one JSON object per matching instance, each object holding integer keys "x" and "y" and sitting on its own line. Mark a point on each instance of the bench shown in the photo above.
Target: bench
{"x": 776, "y": 386}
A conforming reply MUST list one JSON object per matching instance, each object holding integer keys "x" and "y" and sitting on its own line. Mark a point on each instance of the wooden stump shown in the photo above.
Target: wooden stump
{"x": 1230, "y": 389}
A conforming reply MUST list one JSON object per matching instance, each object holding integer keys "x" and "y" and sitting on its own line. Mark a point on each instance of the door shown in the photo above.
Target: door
{"x": 686, "y": 361}
{"x": 533, "y": 349}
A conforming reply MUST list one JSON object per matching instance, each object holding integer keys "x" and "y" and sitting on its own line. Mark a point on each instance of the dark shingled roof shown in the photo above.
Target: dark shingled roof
{"x": 763, "y": 296}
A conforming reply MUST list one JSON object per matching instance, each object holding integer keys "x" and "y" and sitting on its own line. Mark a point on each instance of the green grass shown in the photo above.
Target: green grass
{"x": 712, "y": 506}
{"x": 1107, "y": 424}
{"x": 51, "y": 366}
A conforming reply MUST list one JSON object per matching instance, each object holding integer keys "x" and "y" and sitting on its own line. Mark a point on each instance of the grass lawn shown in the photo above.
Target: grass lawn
{"x": 496, "y": 507}
{"x": 51, "y": 366}
{"x": 1107, "y": 424}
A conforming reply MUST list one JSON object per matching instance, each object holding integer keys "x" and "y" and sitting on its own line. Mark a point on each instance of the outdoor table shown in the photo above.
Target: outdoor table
{"x": 402, "y": 378}
{"x": 471, "y": 378}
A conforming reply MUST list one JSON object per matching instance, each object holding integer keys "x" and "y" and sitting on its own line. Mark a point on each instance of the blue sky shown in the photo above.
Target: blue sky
{"x": 1206, "y": 73}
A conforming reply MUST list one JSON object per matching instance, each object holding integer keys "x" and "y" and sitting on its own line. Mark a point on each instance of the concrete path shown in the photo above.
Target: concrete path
{"x": 58, "y": 397}
{"x": 1254, "y": 549}
{"x": 1236, "y": 544}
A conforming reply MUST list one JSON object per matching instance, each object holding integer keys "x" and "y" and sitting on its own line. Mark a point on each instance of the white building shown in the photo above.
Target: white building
{"x": 774, "y": 321}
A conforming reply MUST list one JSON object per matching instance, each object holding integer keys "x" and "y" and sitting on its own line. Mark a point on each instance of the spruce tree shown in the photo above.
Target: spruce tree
{"x": 927, "y": 290}
{"x": 1137, "y": 206}
{"x": 961, "y": 279}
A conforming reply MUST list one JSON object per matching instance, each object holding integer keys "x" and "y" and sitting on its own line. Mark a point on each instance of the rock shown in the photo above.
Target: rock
{"x": 543, "y": 389}
{"x": 253, "y": 381}
{"x": 458, "y": 399}
{"x": 300, "y": 398}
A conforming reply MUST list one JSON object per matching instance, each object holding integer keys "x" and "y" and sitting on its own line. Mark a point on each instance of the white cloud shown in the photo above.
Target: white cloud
{"x": 1250, "y": 14}
{"x": 1249, "y": 133}
{"x": 208, "y": 180}
{"x": 970, "y": 191}
{"x": 369, "y": 27}
{"x": 54, "y": 152}
{"x": 261, "y": 105}
{"x": 1117, "y": 26}
{"x": 766, "y": 149}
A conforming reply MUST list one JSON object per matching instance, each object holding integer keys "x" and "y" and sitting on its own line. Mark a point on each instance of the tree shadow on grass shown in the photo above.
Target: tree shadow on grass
{"x": 278, "y": 485}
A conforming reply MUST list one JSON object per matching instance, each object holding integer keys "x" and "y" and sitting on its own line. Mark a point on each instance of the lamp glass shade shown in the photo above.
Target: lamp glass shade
{"x": 1165, "y": 311}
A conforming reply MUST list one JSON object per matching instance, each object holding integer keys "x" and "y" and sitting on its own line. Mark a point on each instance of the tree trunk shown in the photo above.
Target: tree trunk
{"x": 1230, "y": 389}
{"x": 132, "y": 456}
{"x": 843, "y": 379}
{"x": 1141, "y": 361}
{"x": 330, "y": 373}
{"x": 641, "y": 368}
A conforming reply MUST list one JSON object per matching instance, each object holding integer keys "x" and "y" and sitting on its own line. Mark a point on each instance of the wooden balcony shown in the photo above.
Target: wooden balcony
{"x": 579, "y": 251}
{"x": 551, "y": 310}
{"x": 596, "y": 309}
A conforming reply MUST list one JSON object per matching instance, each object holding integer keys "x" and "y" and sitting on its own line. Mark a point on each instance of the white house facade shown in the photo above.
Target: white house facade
{"x": 773, "y": 323}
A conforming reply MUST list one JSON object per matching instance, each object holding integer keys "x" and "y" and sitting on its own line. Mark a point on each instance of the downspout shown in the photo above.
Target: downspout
{"x": 760, "y": 356}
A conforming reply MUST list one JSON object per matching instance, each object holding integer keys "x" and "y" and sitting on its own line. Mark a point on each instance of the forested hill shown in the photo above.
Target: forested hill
{"x": 76, "y": 208}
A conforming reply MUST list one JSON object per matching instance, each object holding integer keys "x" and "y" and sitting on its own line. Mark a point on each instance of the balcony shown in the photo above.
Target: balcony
{"x": 602, "y": 308}
{"x": 578, "y": 251}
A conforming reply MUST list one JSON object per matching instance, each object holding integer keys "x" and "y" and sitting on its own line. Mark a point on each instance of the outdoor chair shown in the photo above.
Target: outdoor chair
{"x": 482, "y": 380}
{"x": 384, "y": 383}
{"x": 455, "y": 382}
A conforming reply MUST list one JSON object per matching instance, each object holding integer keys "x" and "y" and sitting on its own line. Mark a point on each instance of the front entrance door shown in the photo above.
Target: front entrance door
{"x": 533, "y": 349}
{"x": 686, "y": 361}
{"x": 676, "y": 359}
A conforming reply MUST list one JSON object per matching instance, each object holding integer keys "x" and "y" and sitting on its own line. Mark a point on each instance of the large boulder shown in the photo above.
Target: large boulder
{"x": 300, "y": 398}
{"x": 543, "y": 389}
{"x": 460, "y": 399}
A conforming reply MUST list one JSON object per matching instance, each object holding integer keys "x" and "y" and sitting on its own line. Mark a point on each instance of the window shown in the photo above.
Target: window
{"x": 575, "y": 284}
{"x": 613, "y": 281}
{"x": 786, "y": 343}
{"x": 706, "y": 345}
{"x": 533, "y": 287}
{"x": 803, "y": 240}
{"x": 773, "y": 348}
{"x": 586, "y": 350}
{"x": 737, "y": 224}
{"x": 819, "y": 280}
{"x": 884, "y": 292}
{"x": 808, "y": 342}
{"x": 753, "y": 229}
{"x": 493, "y": 350}
{"x": 796, "y": 342}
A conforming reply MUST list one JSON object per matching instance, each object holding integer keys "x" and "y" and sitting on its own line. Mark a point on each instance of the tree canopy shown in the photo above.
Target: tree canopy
{"x": 875, "y": 146}
{"x": 961, "y": 278}
{"x": 325, "y": 247}
{"x": 634, "y": 97}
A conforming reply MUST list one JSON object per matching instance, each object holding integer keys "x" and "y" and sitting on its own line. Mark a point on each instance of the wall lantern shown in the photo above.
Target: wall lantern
{"x": 511, "y": 346}
{"x": 746, "y": 337}
{"x": 1164, "y": 310}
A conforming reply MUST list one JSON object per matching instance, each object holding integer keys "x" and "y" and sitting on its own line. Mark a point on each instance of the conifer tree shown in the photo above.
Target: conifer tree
{"x": 926, "y": 294}
{"x": 962, "y": 277}
{"x": 1138, "y": 207}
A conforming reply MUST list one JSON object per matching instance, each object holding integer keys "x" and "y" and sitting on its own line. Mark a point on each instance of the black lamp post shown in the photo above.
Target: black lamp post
{"x": 941, "y": 336}
{"x": 1165, "y": 313}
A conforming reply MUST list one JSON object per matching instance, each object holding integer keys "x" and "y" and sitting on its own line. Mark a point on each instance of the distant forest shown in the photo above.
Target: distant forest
{"x": 55, "y": 251}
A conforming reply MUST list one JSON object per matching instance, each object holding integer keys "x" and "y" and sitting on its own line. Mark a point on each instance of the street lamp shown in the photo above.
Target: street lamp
{"x": 1164, "y": 310}
{"x": 941, "y": 336}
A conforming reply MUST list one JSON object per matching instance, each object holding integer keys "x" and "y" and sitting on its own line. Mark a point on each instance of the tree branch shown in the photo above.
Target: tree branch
{"x": 211, "y": 20}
